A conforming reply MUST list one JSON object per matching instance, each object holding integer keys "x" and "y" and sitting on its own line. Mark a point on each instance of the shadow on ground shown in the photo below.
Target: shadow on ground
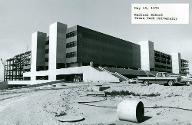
{"x": 121, "y": 122}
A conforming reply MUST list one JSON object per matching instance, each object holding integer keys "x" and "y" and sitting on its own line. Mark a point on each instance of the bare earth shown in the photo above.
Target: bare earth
{"x": 46, "y": 105}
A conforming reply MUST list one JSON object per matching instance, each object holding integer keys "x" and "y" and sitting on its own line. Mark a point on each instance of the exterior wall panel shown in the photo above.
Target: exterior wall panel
{"x": 147, "y": 55}
{"x": 176, "y": 57}
{"x": 40, "y": 49}
{"x": 57, "y": 45}
{"x": 102, "y": 49}
{"x": 38, "y": 53}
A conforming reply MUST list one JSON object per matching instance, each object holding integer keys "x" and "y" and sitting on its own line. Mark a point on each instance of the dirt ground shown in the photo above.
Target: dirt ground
{"x": 46, "y": 105}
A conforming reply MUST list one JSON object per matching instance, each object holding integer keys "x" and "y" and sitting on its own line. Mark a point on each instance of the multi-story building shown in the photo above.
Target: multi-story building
{"x": 16, "y": 66}
{"x": 77, "y": 46}
{"x": 79, "y": 53}
{"x": 153, "y": 60}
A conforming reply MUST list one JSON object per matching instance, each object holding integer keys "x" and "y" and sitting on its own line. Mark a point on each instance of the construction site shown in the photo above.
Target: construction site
{"x": 79, "y": 76}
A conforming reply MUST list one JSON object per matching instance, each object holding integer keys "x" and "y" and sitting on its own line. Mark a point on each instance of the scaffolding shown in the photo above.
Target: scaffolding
{"x": 16, "y": 66}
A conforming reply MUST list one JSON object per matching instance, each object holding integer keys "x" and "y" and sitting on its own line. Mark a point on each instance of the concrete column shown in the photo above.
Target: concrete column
{"x": 57, "y": 48}
{"x": 147, "y": 55}
{"x": 176, "y": 62}
{"x": 37, "y": 52}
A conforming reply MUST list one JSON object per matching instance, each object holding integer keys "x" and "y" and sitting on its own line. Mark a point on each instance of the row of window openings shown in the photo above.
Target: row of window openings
{"x": 73, "y": 77}
{"x": 58, "y": 66}
{"x": 184, "y": 65}
{"x": 41, "y": 77}
{"x": 163, "y": 61}
{"x": 68, "y": 35}
{"x": 162, "y": 56}
{"x": 19, "y": 75}
{"x": 71, "y": 44}
{"x": 71, "y": 34}
{"x": 71, "y": 54}
{"x": 165, "y": 67}
{"x": 68, "y": 55}
{"x": 68, "y": 45}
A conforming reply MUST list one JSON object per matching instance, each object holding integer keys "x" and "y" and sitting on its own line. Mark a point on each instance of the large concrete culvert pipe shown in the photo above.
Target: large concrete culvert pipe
{"x": 131, "y": 110}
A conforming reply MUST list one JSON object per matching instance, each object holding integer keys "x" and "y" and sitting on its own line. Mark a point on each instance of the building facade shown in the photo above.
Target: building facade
{"x": 105, "y": 50}
{"x": 180, "y": 66}
{"x": 77, "y": 46}
{"x": 184, "y": 66}
{"x": 76, "y": 52}
{"x": 163, "y": 62}
{"x": 154, "y": 60}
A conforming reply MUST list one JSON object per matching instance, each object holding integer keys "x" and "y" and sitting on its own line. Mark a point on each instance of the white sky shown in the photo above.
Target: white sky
{"x": 20, "y": 18}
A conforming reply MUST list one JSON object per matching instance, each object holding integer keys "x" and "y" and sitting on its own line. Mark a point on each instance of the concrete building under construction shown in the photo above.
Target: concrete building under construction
{"x": 67, "y": 53}
{"x": 154, "y": 60}
{"x": 16, "y": 66}
{"x": 80, "y": 54}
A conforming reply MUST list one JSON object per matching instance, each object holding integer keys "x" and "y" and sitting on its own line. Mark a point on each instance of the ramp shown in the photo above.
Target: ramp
{"x": 116, "y": 74}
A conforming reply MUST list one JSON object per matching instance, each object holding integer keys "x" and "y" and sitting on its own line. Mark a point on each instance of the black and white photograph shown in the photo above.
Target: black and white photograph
{"x": 95, "y": 62}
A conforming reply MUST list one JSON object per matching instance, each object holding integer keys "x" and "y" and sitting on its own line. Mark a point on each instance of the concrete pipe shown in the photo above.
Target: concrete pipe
{"x": 131, "y": 110}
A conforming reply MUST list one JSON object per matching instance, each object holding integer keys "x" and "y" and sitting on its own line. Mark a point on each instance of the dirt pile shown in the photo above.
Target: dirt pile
{"x": 153, "y": 89}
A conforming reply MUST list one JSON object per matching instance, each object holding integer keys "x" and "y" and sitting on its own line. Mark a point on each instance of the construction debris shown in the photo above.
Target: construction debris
{"x": 98, "y": 88}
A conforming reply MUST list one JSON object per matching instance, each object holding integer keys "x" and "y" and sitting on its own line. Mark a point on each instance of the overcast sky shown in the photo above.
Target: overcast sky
{"x": 20, "y": 18}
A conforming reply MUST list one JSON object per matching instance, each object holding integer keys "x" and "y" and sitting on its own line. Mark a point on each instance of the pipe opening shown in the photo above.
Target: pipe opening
{"x": 140, "y": 112}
